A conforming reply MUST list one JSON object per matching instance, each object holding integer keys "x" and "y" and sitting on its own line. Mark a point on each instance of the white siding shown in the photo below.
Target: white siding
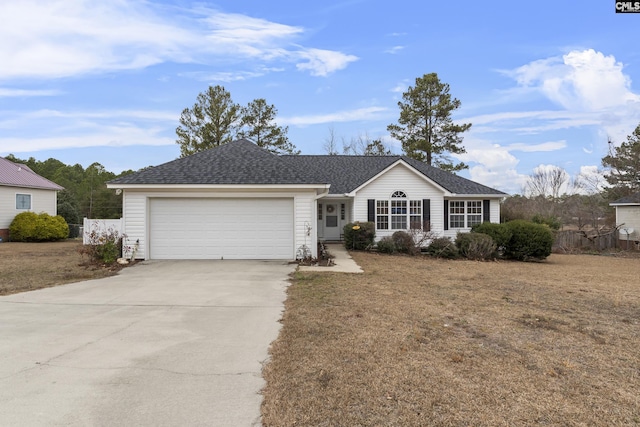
{"x": 304, "y": 219}
{"x": 400, "y": 178}
{"x": 494, "y": 216}
{"x": 41, "y": 201}
{"x": 136, "y": 212}
{"x": 630, "y": 217}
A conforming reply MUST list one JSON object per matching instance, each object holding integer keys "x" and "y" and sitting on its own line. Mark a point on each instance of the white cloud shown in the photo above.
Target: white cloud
{"x": 533, "y": 148}
{"x": 580, "y": 80}
{"x": 7, "y": 92}
{"x": 394, "y": 50}
{"x": 114, "y": 136}
{"x": 75, "y": 37}
{"x": 591, "y": 87}
{"x": 222, "y": 76}
{"x": 323, "y": 62}
{"x": 368, "y": 113}
{"x": 55, "y": 129}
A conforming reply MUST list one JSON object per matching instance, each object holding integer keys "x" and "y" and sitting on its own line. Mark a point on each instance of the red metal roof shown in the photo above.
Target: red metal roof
{"x": 15, "y": 175}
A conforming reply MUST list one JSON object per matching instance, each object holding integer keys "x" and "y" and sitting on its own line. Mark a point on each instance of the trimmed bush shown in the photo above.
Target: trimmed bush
{"x": 359, "y": 235}
{"x": 528, "y": 241}
{"x": 500, "y": 233}
{"x": 442, "y": 247}
{"x": 32, "y": 227}
{"x": 476, "y": 246}
{"x": 386, "y": 245}
{"x": 404, "y": 243}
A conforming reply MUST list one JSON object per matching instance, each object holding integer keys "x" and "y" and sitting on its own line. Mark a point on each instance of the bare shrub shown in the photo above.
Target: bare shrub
{"x": 105, "y": 246}
{"x": 476, "y": 246}
{"x": 442, "y": 247}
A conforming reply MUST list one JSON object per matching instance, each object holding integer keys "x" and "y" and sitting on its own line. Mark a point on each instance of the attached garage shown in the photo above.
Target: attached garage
{"x": 216, "y": 228}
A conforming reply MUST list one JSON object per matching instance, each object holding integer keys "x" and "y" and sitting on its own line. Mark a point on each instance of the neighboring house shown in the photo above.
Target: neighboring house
{"x": 628, "y": 218}
{"x": 21, "y": 189}
{"x": 238, "y": 201}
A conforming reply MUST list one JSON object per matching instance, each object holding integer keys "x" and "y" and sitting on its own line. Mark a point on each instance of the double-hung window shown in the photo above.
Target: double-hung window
{"x": 474, "y": 213}
{"x": 23, "y": 202}
{"x": 465, "y": 213}
{"x": 398, "y": 213}
{"x": 382, "y": 214}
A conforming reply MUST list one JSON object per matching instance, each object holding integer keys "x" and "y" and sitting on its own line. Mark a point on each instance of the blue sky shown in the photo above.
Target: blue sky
{"x": 543, "y": 83}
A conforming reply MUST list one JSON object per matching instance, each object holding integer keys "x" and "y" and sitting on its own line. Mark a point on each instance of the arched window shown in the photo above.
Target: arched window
{"x": 398, "y": 213}
{"x": 399, "y": 210}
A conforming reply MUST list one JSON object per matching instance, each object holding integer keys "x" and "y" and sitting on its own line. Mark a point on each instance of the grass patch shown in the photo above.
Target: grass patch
{"x": 30, "y": 266}
{"x": 418, "y": 341}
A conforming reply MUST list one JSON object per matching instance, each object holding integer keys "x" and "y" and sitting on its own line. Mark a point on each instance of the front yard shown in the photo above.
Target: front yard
{"x": 418, "y": 341}
{"x": 30, "y": 266}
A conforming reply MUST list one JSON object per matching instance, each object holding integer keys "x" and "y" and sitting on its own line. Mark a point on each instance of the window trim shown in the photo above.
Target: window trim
{"x": 470, "y": 208}
{"x": 30, "y": 201}
{"x": 396, "y": 212}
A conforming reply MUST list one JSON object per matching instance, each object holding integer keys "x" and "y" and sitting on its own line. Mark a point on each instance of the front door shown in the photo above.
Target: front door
{"x": 331, "y": 223}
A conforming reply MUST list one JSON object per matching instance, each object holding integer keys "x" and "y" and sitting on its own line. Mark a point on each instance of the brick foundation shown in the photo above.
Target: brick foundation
{"x": 4, "y": 234}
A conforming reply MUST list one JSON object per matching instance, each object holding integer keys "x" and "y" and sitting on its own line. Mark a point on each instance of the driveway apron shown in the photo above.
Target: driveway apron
{"x": 163, "y": 343}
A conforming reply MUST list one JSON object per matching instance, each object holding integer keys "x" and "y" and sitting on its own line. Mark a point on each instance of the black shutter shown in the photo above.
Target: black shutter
{"x": 446, "y": 214}
{"x": 426, "y": 213}
{"x": 371, "y": 210}
{"x": 486, "y": 210}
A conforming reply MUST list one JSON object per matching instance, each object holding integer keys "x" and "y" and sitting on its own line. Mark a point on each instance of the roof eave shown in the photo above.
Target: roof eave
{"x": 625, "y": 204}
{"x": 35, "y": 187}
{"x": 477, "y": 195}
{"x": 218, "y": 186}
{"x": 353, "y": 192}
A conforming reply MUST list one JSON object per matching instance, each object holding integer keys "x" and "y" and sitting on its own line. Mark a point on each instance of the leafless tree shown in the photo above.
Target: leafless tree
{"x": 330, "y": 144}
{"x": 363, "y": 145}
{"x": 548, "y": 182}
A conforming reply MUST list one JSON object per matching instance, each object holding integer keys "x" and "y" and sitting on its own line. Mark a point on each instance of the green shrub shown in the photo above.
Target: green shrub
{"x": 442, "y": 247}
{"x": 386, "y": 245}
{"x": 476, "y": 246}
{"x": 404, "y": 243}
{"x": 528, "y": 241}
{"x": 359, "y": 235}
{"x": 500, "y": 233}
{"x": 32, "y": 227}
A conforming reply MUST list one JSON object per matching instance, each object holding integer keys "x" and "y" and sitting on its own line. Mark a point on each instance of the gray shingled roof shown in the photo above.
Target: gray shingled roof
{"x": 346, "y": 173}
{"x": 16, "y": 175}
{"x": 238, "y": 162}
{"x": 243, "y": 162}
{"x": 633, "y": 198}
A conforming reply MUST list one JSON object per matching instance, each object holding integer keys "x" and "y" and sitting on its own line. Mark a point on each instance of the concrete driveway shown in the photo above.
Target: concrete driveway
{"x": 164, "y": 343}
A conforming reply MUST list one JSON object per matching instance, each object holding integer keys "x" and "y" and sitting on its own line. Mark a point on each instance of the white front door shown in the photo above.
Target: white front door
{"x": 331, "y": 221}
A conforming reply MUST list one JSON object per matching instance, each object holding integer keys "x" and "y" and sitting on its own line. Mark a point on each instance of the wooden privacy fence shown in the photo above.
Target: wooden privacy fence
{"x": 572, "y": 239}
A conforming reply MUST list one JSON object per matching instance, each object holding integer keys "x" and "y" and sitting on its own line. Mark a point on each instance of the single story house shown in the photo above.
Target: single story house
{"x": 239, "y": 201}
{"x": 21, "y": 189}
{"x": 628, "y": 218}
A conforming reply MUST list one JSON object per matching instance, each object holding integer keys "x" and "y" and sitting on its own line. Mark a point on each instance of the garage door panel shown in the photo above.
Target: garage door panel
{"x": 216, "y": 228}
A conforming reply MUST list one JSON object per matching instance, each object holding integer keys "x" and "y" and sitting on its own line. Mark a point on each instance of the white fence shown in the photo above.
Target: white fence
{"x": 100, "y": 226}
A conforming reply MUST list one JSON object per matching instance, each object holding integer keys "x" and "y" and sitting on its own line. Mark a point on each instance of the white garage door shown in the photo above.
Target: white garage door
{"x": 221, "y": 228}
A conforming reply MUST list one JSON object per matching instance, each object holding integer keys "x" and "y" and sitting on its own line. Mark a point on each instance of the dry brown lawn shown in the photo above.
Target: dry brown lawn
{"x": 424, "y": 342}
{"x": 30, "y": 266}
